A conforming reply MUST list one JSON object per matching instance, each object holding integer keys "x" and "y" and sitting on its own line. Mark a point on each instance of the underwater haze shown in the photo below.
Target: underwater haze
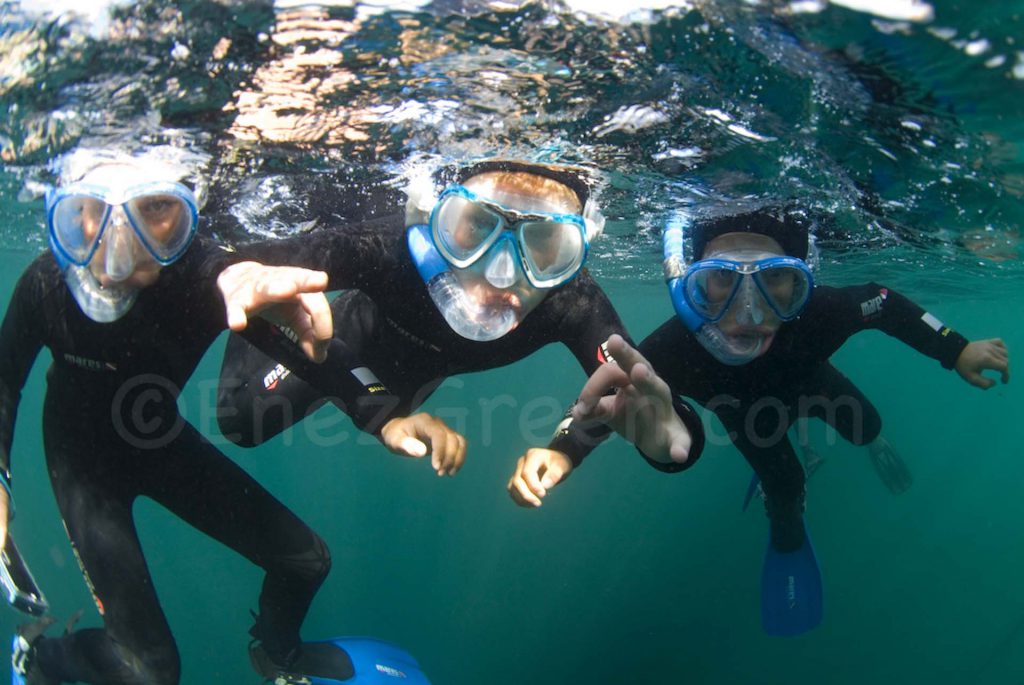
{"x": 902, "y": 121}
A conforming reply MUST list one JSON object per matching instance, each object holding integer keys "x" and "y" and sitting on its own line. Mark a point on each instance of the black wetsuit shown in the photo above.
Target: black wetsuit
{"x": 112, "y": 432}
{"x": 397, "y": 342}
{"x": 758, "y": 401}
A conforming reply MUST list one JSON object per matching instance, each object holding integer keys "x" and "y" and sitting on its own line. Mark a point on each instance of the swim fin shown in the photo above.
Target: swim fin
{"x": 791, "y": 591}
{"x": 348, "y": 660}
{"x": 889, "y": 466}
{"x": 24, "y": 670}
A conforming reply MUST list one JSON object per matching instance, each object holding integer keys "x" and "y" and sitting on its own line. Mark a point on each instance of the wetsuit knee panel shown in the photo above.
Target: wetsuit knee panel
{"x": 311, "y": 566}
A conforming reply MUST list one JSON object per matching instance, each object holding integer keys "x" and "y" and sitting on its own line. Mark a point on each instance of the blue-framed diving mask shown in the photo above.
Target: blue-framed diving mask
{"x": 103, "y": 229}
{"x": 712, "y": 286}
{"x": 755, "y": 286}
{"x": 550, "y": 248}
{"x": 471, "y": 241}
{"x": 162, "y": 216}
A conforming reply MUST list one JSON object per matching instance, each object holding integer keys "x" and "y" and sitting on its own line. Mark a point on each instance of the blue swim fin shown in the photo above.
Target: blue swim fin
{"x": 791, "y": 591}
{"x": 17, "y": 670}
{"x": 346, "y": 661}
{"x": 379, "y": 663}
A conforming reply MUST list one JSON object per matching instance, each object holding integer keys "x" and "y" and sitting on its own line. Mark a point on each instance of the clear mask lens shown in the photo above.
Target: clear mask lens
{"x": 552, "y": 250}
{"x": 164, "y": 223}
{"x": 77, "y": 222}
{"x": 464, "y": 228}
{"x": 787, "y": 289}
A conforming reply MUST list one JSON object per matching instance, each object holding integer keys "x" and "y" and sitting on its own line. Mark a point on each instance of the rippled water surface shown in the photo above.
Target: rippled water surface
{"x": 900, "y": 121}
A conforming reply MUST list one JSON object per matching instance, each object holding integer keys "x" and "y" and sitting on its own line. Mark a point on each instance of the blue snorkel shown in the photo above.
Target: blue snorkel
{"x": 468, "y": 319}
{"x": 675, "y": 269}
{"x": 429, "y": 262}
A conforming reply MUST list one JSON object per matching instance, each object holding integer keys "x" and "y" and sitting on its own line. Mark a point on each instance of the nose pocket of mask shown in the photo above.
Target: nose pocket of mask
{"x": 501, "y": 268}
{"x": 120, "y": 248}
{"x": 750, "y": 302}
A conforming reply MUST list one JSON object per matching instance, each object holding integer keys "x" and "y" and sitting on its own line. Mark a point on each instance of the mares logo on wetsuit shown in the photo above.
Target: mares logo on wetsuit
{"x": 603, "y": 355}
{"x": 90, "y": 364}
{"x": 872, "y": 308}
{"x": 275, "y": 376}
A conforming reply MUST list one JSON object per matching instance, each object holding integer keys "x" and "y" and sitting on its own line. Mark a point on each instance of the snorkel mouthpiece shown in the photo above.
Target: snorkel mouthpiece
{"x": 466, "y": 317}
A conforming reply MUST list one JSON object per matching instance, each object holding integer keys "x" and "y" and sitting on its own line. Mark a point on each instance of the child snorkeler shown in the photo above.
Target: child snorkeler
{"x": 128, "y": 300}
{"x": 477, "y": 277}
{"x": 752, "y": 342}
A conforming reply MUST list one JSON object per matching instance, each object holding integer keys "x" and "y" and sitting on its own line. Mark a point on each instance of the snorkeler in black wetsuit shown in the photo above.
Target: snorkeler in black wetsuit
{"x": 492, "y": 275}
{"x": 752, "y": 343}
{"x": 128, "y": 307}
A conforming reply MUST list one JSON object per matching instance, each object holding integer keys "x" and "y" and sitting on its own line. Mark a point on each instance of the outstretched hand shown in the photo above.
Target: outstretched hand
{"x": 984, "y": 355}
{"x": 420, "y": 434}
{"x": 537, "y": 471}
{"x": 285, "y": 296}
{"x": 640, "y": 409}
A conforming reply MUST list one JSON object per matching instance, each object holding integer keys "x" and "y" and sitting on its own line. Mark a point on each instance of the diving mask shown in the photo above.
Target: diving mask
{"x": 550, "y": 248}
{"x": 712, "y": 286}
{"x": 759, "y": 289}
{"x": 110, "y": 235}
{"x": 162, "y": 216}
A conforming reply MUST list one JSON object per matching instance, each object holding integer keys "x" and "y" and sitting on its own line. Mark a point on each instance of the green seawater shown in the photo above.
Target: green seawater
{"x": 625, "y": 575}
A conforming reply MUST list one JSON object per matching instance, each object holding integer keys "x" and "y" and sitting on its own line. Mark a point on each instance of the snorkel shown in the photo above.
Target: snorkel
{"x": 467, "y": 318}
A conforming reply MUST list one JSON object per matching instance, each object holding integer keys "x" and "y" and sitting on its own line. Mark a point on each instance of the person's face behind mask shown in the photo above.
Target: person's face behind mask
{"x": 748, "y": 317}
{"x": 498, "y": 278}
{"x": 120, "y": 259}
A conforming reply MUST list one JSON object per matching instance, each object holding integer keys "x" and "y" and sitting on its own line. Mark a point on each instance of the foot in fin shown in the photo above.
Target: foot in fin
{"x": 791, "y": 589}
{"x": 24, "y": 669}
{"x": 348, "y": 660}
{"x": 891, "y": 469}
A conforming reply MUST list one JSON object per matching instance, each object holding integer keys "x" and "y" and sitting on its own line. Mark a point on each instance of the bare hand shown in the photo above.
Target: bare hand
{"x": 285, "y": 296}
{"x": 640, "y": 410}
{"x": 536, "y": 473}
{"x": 416, "y": 435}
{"x": 984, "y": 355}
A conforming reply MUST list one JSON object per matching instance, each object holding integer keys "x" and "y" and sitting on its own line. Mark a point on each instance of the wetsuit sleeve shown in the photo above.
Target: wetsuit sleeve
{"x": 875, "y": 306}
{"x": 20, "y": 342}
{"x": 595, "y": 320}
{"x": 666, "y": 351}
{"x": 342, "y": 378}
{"x": 352, "y": 255}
